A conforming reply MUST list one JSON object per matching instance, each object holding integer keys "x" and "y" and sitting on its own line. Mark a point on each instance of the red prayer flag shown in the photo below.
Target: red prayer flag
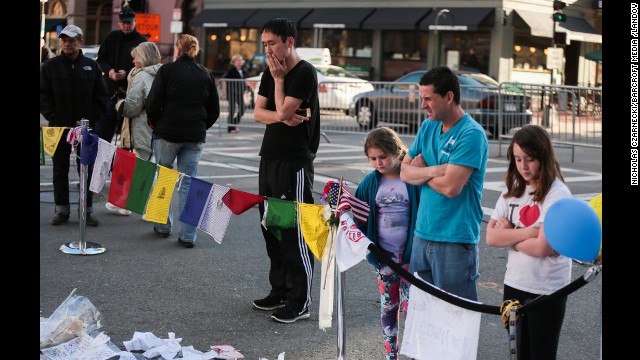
{"x": 121, "y": 177}
{"x": 239, "y": 201}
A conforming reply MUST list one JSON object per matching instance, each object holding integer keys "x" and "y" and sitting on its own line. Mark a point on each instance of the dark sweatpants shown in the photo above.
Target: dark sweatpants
{"x": 538, "y": 332}
{"x": 61, "y": 164}
{"x": 291, "y": 269}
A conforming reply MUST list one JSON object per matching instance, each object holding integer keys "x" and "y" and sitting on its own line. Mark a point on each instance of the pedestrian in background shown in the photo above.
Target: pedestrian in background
{"x": 534, "y": 182}
{"x": 182, "y": 104}
{"x": 233, "y": 91}
{"x": 71, "y": 89}
{"x": 393, "y": 207}
{"x": 46, "y": 52}
{"x": 136, "y": 132}
{"x": 116, "y": 61}
{"x": 288, "y": 105}
{"x": 448, "y": 159}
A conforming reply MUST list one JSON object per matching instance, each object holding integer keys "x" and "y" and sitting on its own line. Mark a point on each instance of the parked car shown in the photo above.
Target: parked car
{"x": 399, "y": 103}
{"x": 336, "y": 87}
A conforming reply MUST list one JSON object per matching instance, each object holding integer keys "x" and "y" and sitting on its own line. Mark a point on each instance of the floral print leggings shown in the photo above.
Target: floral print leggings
{"x": 394, "y": 297}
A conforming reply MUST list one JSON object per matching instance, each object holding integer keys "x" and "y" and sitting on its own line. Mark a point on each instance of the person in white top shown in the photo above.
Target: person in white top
{"x": 534, "y": 182}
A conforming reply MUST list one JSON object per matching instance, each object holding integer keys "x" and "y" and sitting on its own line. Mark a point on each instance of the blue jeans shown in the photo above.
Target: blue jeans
{"x": 452, "y": 267}
{"x": 188, "y": 155}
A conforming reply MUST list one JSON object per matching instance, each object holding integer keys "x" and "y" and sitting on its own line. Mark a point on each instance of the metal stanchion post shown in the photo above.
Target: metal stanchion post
{"x": 82, "y": 247}
{"x": 340, "y": 304}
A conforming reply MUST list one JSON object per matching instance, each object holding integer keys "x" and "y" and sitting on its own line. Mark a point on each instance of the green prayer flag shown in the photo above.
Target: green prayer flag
{"x": 143, "y": 175}
{"x": 281, "y": 214}
{"x": 41, "y": 148}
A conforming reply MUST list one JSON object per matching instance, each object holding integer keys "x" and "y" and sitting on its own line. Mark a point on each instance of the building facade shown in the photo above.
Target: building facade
{"x": 382, "y": 40}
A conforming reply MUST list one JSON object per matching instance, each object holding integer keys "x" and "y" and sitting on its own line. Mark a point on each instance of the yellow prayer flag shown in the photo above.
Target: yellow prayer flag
{"x": 50, "y": 138}
{"x": 157, "y": 209}
{"x": 314, "y": 227}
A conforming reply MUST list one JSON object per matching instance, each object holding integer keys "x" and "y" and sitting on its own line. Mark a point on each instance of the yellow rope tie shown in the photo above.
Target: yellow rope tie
{"x": 504, "y": 310}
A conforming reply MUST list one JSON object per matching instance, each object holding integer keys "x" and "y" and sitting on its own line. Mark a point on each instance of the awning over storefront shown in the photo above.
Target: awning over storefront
{"x": 538, "y": 24}
{"x": 458, "y": 19}
{"x": 395, "y": 18}
{"x": 262, "y": 16}
{"x": 577, "y": 29}
{"x": 53, "y": 24}
{"x": 222, "y": 17}
{"x": 343, "y": 18}
{"x": 594, "y": 56}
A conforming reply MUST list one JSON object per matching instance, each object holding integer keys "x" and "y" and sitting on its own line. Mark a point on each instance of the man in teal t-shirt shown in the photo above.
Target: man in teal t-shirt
{"x": 448, "y": 158}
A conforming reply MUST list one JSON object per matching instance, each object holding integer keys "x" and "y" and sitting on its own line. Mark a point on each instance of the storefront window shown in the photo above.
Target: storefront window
{"x": 472, "y": 50}
{"x": 222, "y": 44}
{"x": 403, "y": 52}
{"x": 530, "y": 53}
{"x": 350, "y": 49}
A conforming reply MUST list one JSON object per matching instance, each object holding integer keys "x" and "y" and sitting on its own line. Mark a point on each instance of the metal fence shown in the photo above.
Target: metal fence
{"x": 569, "y": 113}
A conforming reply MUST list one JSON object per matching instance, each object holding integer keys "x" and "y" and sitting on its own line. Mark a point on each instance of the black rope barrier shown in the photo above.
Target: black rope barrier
{"x": 475, "y": 306}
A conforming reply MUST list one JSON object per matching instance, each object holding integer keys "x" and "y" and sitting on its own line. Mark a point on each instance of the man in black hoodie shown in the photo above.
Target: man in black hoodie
{"x": 115, "y": 60}
{"x": 71, "y": 89}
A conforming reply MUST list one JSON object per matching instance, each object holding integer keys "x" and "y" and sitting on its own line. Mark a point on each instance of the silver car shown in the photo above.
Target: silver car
{"x": 336, "y": 87}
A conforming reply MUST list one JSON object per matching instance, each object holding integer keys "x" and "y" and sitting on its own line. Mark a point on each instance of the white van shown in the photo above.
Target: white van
{"x": 316, "y": 56}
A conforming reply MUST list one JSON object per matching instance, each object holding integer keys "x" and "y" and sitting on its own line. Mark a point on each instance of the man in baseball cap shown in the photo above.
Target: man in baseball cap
{"x": 71, "y": 89}
{"x": 72, "y": 31}
{"x": 127, "y": 14}
{"x": 115, "y": 60}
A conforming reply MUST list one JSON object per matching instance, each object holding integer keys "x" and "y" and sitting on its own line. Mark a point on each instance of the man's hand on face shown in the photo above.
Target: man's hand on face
{"x": 277, "y": 68}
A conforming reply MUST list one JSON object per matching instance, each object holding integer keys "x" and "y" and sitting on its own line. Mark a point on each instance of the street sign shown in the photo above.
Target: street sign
{"x": 554, "y": 58}
{"x": 149, "y": 26}
{"x": 177, "y": 14}
{"x": 176, "y": 27}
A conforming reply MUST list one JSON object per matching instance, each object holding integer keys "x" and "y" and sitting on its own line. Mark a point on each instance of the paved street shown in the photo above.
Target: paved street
{"x": 203, "y": 295}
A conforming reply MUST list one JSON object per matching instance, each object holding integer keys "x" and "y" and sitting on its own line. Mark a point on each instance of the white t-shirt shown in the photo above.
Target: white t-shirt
{"x": 537, "y": 275}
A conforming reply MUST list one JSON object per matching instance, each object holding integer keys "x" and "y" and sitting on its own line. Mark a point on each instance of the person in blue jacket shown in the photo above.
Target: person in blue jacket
{"x": 393, "y": 206}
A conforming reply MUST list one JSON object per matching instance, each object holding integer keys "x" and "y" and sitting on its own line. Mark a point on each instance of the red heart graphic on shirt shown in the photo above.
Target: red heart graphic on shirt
{"x": 529, "y": 215}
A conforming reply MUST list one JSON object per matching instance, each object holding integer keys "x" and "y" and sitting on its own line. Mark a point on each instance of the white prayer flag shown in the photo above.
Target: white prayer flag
{"x": 215, "y": 218}
{"x": 102, "y": 165}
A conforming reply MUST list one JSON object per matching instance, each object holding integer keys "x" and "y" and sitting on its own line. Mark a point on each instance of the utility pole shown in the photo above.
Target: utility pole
{"x": 437, "y": 52}
{"x": 42, "y": 25}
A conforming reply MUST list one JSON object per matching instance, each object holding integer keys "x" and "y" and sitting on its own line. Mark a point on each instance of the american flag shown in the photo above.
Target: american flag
{"x": 359, "y": 208}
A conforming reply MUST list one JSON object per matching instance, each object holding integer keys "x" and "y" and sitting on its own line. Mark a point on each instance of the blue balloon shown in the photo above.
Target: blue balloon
{"x": 573, "y": 229}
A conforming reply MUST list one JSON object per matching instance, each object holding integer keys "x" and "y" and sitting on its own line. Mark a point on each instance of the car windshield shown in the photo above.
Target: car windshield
{"x": 335, "y": 71}
{"x": 467, "y": 79}
{"x": 476, "y": 79}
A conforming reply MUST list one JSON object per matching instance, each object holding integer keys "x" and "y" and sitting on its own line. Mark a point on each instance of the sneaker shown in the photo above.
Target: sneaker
{"x": 114, "y": 209}
{"x": 269, "y": 303}
{"x": 60, "y": 219}
{"x": 90, "y": 220}
{"x": 162, "y": 234}
{"x": 187, "y": 244}
{"x": 287, "y": 315}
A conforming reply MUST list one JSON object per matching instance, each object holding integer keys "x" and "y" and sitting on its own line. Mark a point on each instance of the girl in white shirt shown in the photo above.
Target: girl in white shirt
{"x": 534, "y": 182}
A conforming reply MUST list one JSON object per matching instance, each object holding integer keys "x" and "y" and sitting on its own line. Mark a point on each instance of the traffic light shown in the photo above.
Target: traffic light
{"x": 558, "y": 15}
{"x": 560, "y": 38}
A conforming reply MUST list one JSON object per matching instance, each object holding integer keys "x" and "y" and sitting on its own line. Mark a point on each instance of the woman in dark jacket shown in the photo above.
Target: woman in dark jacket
{"x": 182, "y": 104}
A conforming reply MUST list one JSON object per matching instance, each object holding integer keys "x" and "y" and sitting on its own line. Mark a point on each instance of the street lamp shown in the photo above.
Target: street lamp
{"x": 42, "y": 28}
{"x": 440, "y": 13}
